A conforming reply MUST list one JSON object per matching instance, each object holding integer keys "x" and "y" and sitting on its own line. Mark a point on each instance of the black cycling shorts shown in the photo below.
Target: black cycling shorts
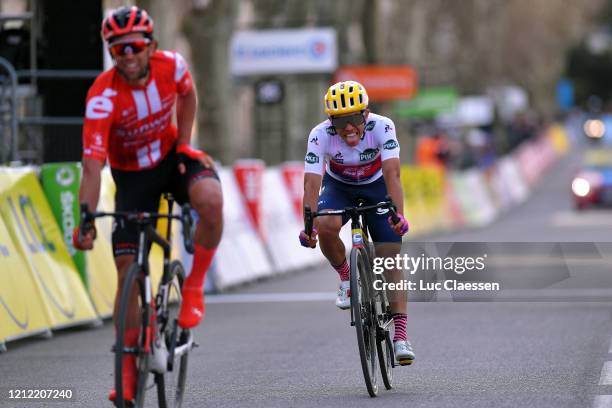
{"x": 141, "y": 191}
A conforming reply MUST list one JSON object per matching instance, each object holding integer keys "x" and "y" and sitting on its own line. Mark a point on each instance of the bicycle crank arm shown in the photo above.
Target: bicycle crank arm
{"x": 184, "y": 348}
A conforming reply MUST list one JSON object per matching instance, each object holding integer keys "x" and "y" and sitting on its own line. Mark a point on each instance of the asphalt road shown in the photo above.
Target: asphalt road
{"x": 282, "y": 342}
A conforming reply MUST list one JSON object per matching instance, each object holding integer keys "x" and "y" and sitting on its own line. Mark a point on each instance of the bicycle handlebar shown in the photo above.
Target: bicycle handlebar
{"x": 88, "y": 217}
{"x": 309, "y": 215}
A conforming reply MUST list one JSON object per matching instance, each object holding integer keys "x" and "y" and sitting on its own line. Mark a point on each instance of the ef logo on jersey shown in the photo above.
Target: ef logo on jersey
{"x": 100, "y": 107}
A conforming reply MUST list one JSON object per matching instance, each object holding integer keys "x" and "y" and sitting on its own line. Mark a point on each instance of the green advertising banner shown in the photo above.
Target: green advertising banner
{"x": 60, "y": 182}
{"x": 428, "y": 103}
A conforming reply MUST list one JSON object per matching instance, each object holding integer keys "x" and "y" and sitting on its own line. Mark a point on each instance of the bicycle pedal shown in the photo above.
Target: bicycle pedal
{"x": 405, "y": 362}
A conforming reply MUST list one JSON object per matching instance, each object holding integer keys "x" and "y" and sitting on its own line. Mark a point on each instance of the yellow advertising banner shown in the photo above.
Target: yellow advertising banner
{"x": 22, "y": 312}
{"x": 101, "y": 270}
{"x": 37, "y": 237}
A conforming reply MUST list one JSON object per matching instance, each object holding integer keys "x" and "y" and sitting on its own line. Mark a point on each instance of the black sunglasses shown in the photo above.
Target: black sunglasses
{"x": 355, "y": 119}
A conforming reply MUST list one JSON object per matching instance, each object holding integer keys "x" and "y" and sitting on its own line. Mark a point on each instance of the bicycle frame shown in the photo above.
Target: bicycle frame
{"x": 147, "y": 235}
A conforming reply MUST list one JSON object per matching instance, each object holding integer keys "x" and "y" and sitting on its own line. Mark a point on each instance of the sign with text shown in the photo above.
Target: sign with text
{"x": 428, "y": 103}
{"x": 309, "y": 50}
{"x": 383, "y": 82}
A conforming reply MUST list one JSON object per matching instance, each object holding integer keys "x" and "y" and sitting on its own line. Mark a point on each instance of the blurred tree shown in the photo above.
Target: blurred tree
{"x": 472, "y": 44}
{"x": 208, "y": 28}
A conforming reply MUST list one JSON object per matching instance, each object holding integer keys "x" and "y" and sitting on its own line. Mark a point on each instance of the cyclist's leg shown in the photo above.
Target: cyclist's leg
{"x": 202, "y": 188}
{"x": 334, "y": 196}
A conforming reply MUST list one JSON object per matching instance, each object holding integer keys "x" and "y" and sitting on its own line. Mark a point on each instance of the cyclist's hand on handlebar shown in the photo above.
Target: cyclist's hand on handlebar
{"x": 185, "y": 151}
{"x": 309, "y": 242}
{"x": 401, "y": 227}
{"x": 83, "y": 240}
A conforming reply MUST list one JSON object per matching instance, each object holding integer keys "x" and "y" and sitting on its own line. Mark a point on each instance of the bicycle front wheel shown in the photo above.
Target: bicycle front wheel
{"x": 363, "y": 311}
{"x": 171, "y": 384}
{"x": 133, "y": 292}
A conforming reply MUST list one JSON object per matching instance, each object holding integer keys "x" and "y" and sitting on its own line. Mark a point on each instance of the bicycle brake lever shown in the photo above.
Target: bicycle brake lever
{"x": 393, "y": 209}
{"x": 307, "y": 220}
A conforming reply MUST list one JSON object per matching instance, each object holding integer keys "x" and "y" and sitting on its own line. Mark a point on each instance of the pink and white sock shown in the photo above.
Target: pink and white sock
{"x": 399, "y": 320}
{"x": 343, "y": 270}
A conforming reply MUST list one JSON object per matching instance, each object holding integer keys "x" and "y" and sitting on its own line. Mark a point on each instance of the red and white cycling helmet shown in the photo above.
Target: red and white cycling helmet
{"x": 126, "y": 20}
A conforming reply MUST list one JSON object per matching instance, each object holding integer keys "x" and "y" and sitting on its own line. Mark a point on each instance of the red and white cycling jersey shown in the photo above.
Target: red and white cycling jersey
{"x": 132, "y": 126}
{"x": 357, "y": 165}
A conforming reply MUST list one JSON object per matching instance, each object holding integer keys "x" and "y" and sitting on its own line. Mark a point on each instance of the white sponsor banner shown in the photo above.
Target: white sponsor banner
{"x": 283, "y": 51}
{"x": 471, "y": 111}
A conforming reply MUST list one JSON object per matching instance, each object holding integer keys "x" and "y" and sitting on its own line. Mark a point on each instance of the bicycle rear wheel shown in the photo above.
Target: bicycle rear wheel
{"x": 364, "y": 315}
{"x": 171, "y": 384}
{"x": 133, "y": 282}
{"x": 384, "y": 345}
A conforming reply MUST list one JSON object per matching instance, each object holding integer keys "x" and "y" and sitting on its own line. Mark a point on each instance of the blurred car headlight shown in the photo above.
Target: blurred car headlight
{"x": 594, "y": 128}
{"x": 581, "y": 187}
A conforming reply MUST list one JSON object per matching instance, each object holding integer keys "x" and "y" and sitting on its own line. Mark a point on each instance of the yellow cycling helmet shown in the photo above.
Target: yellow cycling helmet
{"x": 345, "y": 97}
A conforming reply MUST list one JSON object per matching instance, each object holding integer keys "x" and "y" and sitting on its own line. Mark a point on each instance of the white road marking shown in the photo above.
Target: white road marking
{"x": 606, "y": 374}
{"x": 271, "y": 297}
{"x": 598, "y": 218}
{"x": 602, "y": 401}
{"x": 534, "y": 295}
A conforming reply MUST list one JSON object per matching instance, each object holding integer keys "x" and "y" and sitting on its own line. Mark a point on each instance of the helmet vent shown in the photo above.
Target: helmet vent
{"x": 351, "y": 101}
{"x": 360, "y": 99}
{"x": 342, "y": 100}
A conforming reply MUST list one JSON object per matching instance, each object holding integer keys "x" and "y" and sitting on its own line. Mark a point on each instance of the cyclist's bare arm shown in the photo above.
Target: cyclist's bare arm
{"x": 312, "y": 185}
{"x": 186, "y": 106}
{"x": 89, "y": 193}
{"x": 391, "y": 174}
{"x": 90, "y": 182}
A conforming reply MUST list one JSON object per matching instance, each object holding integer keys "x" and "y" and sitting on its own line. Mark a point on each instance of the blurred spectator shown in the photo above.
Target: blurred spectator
{"x": 523, "y": 127}
{"x": 432, "y": 150}
{"x": 481, "y": 147}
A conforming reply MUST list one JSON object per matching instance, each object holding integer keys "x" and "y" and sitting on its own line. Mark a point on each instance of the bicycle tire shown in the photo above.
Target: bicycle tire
{"x": 362, "y": 305}
{"x": 384, "y": 348}
{"x": 133, "y": 277}
{"x": 170, "y": 393}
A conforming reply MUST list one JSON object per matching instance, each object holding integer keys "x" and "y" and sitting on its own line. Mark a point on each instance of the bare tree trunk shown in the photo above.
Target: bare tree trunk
{"x": 208, "y": 29}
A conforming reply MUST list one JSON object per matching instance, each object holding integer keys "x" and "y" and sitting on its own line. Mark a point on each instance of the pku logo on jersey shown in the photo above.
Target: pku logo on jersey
{"x": 370, "y": 125}
{"x": 368, "y": 154}
{"x": 390, "y": 144}
{"x": 331, "y": 131}
{"x": 311, "y": 158}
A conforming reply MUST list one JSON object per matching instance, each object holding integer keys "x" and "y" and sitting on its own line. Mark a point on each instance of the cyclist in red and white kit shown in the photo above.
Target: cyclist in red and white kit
{"x": 129, "y": 122}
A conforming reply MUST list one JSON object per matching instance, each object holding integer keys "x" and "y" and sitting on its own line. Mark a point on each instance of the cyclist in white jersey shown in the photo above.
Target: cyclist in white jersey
{"x": 354, "y": 154}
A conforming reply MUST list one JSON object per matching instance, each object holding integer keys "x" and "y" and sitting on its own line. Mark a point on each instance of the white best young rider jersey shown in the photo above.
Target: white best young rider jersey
{"x": 357, "y": 165}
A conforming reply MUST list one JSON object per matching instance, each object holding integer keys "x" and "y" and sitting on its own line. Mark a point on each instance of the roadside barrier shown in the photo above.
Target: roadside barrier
{"x": 44, "y": 289}
{"x": 35, "y": 233}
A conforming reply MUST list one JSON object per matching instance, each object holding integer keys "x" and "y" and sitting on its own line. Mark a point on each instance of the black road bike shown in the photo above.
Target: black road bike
{"x": 163, "y": 347}
{"x": 370, "y": 311}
